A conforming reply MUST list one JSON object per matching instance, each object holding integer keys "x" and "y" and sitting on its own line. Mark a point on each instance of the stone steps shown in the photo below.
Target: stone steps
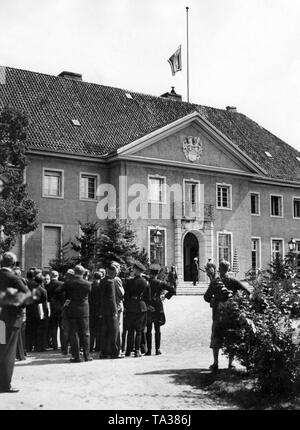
{"x": 188, "y": 289}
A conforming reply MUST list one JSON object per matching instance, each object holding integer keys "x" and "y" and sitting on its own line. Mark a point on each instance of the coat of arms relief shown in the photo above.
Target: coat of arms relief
{"x": 192, "y": 148}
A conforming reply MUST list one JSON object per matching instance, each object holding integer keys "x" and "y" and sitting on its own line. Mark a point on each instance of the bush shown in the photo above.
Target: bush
{"x": 258, "y": 332}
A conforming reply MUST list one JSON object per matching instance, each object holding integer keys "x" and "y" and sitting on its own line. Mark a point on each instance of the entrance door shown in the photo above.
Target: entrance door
{"x": 190, "y": 251}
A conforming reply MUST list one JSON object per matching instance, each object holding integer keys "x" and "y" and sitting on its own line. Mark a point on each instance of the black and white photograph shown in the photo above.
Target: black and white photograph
{"x": 149, "y": 208}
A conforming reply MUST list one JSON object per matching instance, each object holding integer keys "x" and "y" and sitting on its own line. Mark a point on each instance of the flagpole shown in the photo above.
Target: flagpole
{"x": 187, "y": 55}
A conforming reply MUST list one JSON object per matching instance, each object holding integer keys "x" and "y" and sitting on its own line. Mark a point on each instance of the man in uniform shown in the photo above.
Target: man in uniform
{"x": 137, "y": 298}
{"x": 195, "y": 271}
{"x": 220, "y": 289}
{"x": 155, "y": 314}
{"x": 13, "y": 293}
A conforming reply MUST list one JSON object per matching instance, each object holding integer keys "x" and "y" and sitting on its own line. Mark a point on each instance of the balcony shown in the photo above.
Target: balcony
{"x": 195, "y": 211}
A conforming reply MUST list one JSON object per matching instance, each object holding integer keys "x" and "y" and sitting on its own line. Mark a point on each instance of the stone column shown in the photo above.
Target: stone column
{"x": 178, "y": 249}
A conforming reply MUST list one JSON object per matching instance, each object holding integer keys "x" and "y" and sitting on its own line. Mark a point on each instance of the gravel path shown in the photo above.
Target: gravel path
{"x": 169, "y": 381}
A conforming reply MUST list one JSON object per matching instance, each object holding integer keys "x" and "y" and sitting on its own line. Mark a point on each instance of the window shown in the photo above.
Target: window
{"x": 225, "y": 247}
{"x": 268, "y": 154}
{"x": 255, "y": 203}
{"x": 296, "y": 204}
{"x": 191, "y": 193}
{"x": 52, "y": 183}
{"x": 276, "y": 206}
{"x": 255, "y": 253}
{"x": 88, "y": 186}
{"x": 277, "y": 248}
{"x": 223, "y": 196}
{"x": 76, "y": 122}
{"x": 157, "y": 246}
{"x": 51, "y": 244}
{"x": 156, "y": 189}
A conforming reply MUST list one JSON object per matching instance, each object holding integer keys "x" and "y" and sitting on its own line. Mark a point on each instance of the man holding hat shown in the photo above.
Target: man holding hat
{"x": 155, "y": 314}
{"x": 137, "y": 298}
{"x": 221, "y": 289}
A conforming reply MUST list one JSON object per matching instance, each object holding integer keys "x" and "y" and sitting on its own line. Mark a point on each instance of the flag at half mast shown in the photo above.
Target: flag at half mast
{"x": 175, "y": 61}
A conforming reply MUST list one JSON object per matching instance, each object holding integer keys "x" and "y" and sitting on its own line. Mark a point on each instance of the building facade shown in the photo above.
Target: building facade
{"x": 194, "y": 181}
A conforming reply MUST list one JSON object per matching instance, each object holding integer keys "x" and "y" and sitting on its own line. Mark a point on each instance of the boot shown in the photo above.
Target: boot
{"x": 157, "y": 343}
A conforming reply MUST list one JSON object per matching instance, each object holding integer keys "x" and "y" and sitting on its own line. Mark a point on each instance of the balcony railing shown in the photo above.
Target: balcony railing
{"x": 199, "y": 211}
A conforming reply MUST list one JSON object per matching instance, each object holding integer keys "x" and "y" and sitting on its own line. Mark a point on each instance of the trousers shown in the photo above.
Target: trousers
{"x": 80, "y": 335}
{"x": 7, "y": 356}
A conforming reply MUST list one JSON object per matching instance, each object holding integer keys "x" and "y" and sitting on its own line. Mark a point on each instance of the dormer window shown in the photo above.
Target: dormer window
{"x": 268, "y": 154}
{"x": 76, "y": 122}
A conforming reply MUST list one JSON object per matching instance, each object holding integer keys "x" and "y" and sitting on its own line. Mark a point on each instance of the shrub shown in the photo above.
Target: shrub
{"x": 258, "y": 332}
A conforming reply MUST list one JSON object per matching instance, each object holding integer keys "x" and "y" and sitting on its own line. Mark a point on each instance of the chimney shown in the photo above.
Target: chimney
{"x": 172, "y": 95}
{"x": 71, "y": 75}
{"x": 231, "y": 108}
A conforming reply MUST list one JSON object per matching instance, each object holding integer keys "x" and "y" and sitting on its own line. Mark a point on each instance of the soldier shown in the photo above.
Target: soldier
{"x": 210, "y": 269}
{"x": 137, "y": 298}
{"x": 155, "y": 314}
{"x": 220, "y": 289}
{"x": 195, "y": 271}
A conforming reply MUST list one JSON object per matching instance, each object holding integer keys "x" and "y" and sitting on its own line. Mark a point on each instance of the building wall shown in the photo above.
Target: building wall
{"x": 69, "y": 210}
{"x": 55, "y": 211}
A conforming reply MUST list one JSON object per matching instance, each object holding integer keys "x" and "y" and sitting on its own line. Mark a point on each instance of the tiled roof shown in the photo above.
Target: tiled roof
{"x": 109, "y": 120}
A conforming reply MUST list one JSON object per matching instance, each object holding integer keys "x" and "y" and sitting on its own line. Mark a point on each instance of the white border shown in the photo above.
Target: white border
{"x": 50, "y": 169}
{"x": 43, "y": 237}
{"x": 282, "y": 209}
{"x": 223, "y": 184}
{"x": 258, "y": 194}
{"x": 231, "y": 234}
{"x": 157, "y": 176}
{"x": 93, "y": 175}
{"x": 151, "y": 227}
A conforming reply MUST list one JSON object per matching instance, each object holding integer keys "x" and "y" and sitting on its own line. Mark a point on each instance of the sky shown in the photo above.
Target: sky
{"x": 242, "y": 53}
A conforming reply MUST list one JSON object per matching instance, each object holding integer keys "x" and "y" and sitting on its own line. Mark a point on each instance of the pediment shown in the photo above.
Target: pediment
{"x": 193, "y": 142}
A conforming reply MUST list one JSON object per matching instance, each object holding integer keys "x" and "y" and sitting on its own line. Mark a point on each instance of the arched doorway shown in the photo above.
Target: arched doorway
{"x": 190, "y": 251}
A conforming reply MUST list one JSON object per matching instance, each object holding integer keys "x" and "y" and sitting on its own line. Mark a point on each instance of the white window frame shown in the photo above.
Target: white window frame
{"x": 185, "y": 180}
{"x": 164, "y": 189}
{"x": 282, "y": 209}
{"x": 231, "y": 234}
{"x": 165, "y": 244}
{"x": 293, "y": 212}
{"x": 219, "y": 184}
{"x": 282, "y": 240}
{"x": 95, "y": 175}
{"x": 259, "y": 249}
{"x": 62, "y": 172}
{"x": 43, "y": 237}
{"x": 258, "y": 194}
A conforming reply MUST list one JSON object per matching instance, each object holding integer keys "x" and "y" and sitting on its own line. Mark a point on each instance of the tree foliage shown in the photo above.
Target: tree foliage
{"x": 18, "y": 213}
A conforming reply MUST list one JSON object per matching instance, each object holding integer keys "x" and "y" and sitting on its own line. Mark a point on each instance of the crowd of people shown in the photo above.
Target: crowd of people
{"x": 96, "y": 312}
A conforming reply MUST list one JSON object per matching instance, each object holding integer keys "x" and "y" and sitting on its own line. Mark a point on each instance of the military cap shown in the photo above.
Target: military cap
{"x": 139, "y": 266}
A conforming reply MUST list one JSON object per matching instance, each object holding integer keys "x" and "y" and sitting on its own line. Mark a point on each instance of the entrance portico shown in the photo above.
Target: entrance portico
{"x": 192, "y": 239}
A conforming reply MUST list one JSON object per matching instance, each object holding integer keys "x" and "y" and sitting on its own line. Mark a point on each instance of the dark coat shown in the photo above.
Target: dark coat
{"x": 12, "y": 315}
{"x": 95, "y": 299}
{"x": 156, "y": 288}
{"x": 77, "y": 291}
{"x": 137, "y": 295}
{"x": 58, "y": 300}
{"x": 108, "y": 305}
{"x": 41, "y": 298}
{"x": 54, "y": 284}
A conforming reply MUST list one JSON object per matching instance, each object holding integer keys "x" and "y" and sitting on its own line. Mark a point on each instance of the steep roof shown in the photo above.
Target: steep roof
{"x": 109, "y": 119}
